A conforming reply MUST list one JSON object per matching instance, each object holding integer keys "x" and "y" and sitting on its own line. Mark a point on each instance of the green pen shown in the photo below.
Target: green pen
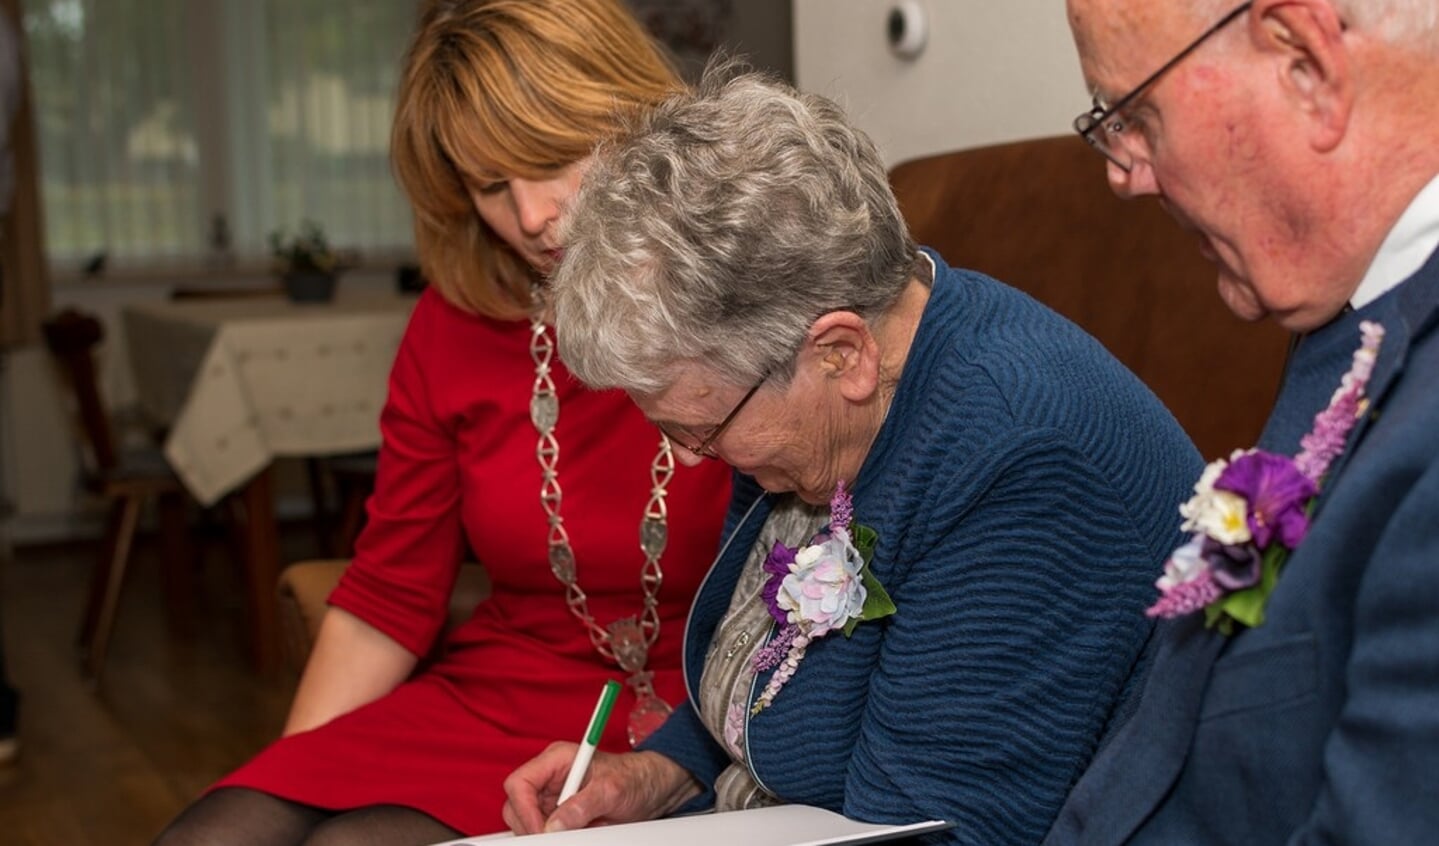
{"x": 591, "y": 741}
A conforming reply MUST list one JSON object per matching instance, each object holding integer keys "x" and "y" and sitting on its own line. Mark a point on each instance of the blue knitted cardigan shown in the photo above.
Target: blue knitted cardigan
{"x": 1024, "y": 488}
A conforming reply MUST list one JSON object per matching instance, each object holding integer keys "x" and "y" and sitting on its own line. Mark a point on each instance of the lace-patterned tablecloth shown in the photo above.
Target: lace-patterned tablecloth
{"x": 240, "y": 382}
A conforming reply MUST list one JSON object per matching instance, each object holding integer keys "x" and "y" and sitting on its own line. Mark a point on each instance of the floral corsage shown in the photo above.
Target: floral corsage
{"x": 1250, "y": 511}
{"x": 816, "y": 589}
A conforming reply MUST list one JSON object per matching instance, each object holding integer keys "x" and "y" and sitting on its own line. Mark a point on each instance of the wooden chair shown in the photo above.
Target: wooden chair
{"x": 127, "y": 480}
{"x": 1039, "y": 215}
{"x": 353, "y": 475}
{"x": 306, "y": 585}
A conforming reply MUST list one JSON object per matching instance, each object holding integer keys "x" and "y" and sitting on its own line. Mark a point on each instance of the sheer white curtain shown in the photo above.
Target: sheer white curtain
{"x": 158, "y": 119}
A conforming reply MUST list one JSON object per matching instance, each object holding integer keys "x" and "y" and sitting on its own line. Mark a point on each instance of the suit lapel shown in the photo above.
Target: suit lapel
{"x": 1406, "y": 313}
{"x": 1311, "y": 374}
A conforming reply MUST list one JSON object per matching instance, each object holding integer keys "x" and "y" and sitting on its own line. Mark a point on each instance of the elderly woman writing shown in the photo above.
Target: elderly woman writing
{"x": 950, "y": 501}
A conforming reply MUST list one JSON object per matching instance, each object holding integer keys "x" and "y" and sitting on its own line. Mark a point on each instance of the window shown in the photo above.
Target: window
{"x": 176, "y": 130}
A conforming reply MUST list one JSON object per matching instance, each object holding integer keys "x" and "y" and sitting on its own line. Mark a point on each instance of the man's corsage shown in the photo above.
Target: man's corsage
{"x": 1250, "y": 511}
{"x": 816, "y": 589}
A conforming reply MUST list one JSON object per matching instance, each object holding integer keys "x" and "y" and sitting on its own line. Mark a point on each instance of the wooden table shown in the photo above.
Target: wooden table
{"x": 238, "y": 383}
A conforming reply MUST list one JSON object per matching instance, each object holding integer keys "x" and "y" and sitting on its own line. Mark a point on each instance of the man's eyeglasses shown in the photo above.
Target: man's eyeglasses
{"x": 1103, "y": 126}
{"x": 704, "y": 447}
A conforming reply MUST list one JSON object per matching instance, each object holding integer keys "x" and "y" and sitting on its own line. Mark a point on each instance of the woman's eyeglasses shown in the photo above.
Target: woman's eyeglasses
{"x": 704, "y": 446}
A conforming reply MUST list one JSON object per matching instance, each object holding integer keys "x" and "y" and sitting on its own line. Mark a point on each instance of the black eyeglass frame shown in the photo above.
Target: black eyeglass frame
{"x": 1096, "y": 119}
{"x": 705, "y": 448}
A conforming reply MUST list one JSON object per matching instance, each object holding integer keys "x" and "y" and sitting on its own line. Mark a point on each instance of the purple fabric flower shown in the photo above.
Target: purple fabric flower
{"x": 1277, "y": 494}
{"x": 772, "y": 653}
{"x": 813, "y": 590}
{"x": 777, "y": 565}
{"x": 1186, "y": 597}
{"x": 841, "y": 508}
{"x": 1233, "y": 566}
{"x": 1332, "y": 425}
{"x": 1331, "y": 429}
{"x": 782, "y": 674}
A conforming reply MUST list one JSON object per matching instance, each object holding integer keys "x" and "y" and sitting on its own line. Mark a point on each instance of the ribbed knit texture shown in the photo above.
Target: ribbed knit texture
{"x": 1024, "y": 489}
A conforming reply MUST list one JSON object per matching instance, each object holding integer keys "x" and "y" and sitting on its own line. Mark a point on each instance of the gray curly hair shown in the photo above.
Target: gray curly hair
{"x": 716, "y": 228}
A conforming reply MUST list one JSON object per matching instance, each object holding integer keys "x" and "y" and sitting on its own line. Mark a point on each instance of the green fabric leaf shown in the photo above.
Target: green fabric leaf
{"x": 1245, "y": 606}
{"x": 865, "y": 539}
{"x": 877, "y": 602}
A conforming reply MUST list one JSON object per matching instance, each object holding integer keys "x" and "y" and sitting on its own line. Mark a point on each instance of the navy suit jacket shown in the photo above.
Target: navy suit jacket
{"x": 1322, "y": 724}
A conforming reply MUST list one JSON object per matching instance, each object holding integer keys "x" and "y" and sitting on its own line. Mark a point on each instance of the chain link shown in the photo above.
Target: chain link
{"x": 654, "y": 524}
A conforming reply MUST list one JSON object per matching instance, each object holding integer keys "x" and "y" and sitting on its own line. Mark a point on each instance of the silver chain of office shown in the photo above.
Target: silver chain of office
{"x": 625, "y": 641}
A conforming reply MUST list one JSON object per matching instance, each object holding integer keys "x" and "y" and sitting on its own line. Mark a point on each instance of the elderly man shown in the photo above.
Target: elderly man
{"x": 1299, "y": 141}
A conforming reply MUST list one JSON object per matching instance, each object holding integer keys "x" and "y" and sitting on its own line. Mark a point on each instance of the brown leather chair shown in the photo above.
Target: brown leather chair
{"x": 1040, "y": 216}
{"x": 127, "y": 479}
{"x": 305, "y": 586}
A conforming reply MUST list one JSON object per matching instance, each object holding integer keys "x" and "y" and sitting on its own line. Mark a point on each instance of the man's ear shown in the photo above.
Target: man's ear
{"x": 1306, "y": 39}
{"x": 843, "y": 349}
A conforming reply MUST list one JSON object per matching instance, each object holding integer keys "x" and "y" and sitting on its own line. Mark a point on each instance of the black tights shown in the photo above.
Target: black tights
{"x": 238, "y": 815}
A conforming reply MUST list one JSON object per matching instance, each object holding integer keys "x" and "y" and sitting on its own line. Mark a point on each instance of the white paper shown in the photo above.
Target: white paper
{"x": 780, "y": 825}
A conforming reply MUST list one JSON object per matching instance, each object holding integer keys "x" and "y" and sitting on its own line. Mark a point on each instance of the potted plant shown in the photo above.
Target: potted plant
{"x": 305, "y": 263}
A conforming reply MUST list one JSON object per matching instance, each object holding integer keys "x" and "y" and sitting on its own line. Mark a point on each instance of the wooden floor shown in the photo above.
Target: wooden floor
{"x": 175, "y": 711}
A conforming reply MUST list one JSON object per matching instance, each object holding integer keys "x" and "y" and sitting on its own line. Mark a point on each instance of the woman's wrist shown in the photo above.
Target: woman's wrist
{"x": 673, "y": 785}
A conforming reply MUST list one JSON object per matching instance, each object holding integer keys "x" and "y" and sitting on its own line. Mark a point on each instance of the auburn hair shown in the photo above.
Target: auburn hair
{"x": 492, "y": 89}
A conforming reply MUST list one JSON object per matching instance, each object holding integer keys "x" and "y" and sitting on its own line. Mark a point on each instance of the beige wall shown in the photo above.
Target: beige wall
{"x": 763, "y": 32}
{"x": 992, "y": 71}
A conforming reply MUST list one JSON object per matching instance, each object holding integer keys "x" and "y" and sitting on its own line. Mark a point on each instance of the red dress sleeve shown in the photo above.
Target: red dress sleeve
{"x": 407, "y": 557}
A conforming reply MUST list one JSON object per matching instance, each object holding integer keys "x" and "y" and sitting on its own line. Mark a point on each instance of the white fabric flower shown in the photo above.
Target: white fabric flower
{"x": 823, "y": 589}
{"x": 1184, "y": 565}
{"x": 1219, "y": 514}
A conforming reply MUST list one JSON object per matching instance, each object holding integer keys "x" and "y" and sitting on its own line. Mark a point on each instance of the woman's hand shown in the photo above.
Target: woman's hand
{"x": 623, "y": 788}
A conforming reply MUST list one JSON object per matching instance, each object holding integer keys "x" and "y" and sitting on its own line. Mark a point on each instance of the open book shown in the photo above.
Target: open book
{"x": 780, "y": 825}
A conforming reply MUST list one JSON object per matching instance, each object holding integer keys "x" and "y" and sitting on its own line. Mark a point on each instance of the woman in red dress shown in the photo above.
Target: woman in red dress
{"x": 594, "y": 541}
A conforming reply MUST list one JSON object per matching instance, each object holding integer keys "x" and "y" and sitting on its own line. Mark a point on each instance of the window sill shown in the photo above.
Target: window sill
{"x": 240, "y": 273}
